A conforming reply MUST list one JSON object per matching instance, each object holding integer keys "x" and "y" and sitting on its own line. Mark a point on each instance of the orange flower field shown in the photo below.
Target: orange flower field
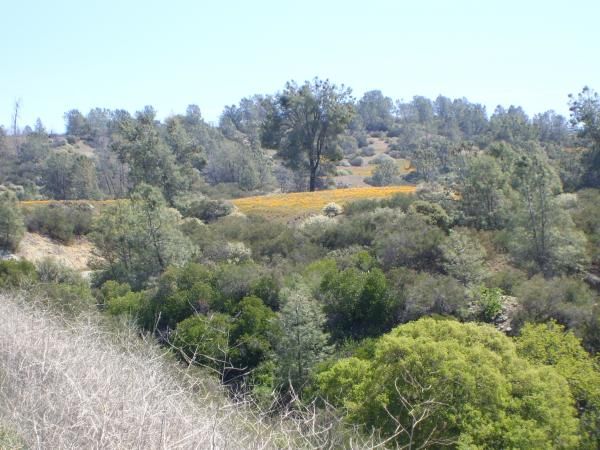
{"x": 287, "y": 206}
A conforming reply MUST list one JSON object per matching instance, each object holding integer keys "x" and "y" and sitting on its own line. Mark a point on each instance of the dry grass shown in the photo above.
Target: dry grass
{"x": 288, "y": 206}
{"x": 70, "y": 384}
{"x": 35, "y": 247}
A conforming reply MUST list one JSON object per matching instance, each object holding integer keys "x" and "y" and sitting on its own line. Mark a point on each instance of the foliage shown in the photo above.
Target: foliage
{"x": 310, "y": 117}
{"x": 357, "y": 304}
{"x": 303, "y": 343}
{"x": 490, "y": 303}
{"x": 12, "y": 228}
{"x": 138, "y": 239}
{"x": 566, "y": 300}
{"x": 445, "y": 383}
{"x": 60, "y": 221}
{"x": 17, "y": 273}
{"x": 68, "y": 176}
{"x": 204, "y": 340}
{"x": 332, "y": 209}
{"x": 551, "y": 345}
{"x": 434, "y": 294}
{"x": 463, "y": 257}
{"x": 385, "y": 173}
{"x": 413, "y": 242}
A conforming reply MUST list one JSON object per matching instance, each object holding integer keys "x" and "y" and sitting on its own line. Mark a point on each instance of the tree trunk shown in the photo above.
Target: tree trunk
{"x": 313, "y": 179}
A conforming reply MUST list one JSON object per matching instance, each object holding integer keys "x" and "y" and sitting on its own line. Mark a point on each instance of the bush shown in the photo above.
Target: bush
{"x": 356, "y": 162}
{"x": 490, "y": 303}
{"x": 332, "y": 209}
{"x": 435, "y": 381}
{"x": 435, "y": 294}
{"x": 203, "y": 208}
{"x": 368, "y": 151}
{"x": 380, "y": 159}
{"x": 60, "y": 222}
{"x": 385, "y": 173}
{"x": 17, "y": 273}
{"x": 412, "y": 242}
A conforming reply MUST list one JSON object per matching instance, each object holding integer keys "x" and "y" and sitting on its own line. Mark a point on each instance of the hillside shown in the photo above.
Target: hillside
{"x": 84, "y": 384}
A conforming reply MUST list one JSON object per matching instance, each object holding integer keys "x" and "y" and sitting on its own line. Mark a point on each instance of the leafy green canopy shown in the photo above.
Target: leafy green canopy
{"x": 432, "y": 383}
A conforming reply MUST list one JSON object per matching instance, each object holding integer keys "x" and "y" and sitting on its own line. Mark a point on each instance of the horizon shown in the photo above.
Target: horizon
{"x": 67, "y": 56}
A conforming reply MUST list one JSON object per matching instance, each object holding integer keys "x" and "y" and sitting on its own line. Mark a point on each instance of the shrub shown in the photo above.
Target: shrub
{"x": 203, "y": 208}
{"x": 357, "y": 162}
{"x": 61, "y": 222}
{"x": 436, "y": 381}
{"x": 368, "y": 151}
{"x": 17, "y": 273}
{"x": 435, "y": 294}
{"x": 380, "y": 159}
{"x": 490, "y": 303}
{"x": 332, "y": 209}
{"x": 413, "y": 242}
{"x": 11, "y": 222}
{"x": 385, "y": 173}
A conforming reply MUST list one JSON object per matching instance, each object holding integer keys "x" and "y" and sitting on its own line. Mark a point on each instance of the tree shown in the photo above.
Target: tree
{"x": 463, "y": 257}
{"x": 311, "y": 116}
{"x": 140, "y": 144}
{"x": 551, "y": 345}
{"x": 357, "y": 303}
{"x": 585, "y": 113}
{"x": 12, "y": 228}
{"x": 76, "y": 124}
{"x": 385, "y": 173}
{"x": 68, "y": 176}
{"x": 139, "y": 238}
{"x": 484, "y": 192}
{"x": 546, "y": 234}
{"x": 435, "y": 383}
{"x": 303, "y": 343}
{"x": 375, "y": 111}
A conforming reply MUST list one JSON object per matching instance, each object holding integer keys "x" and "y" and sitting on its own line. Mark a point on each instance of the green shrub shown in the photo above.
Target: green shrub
{"x": 11, "y": 222}
{"x": 17, "y": 273}
{"x": 490, "y": 303}
{"x": 60, "y": 222}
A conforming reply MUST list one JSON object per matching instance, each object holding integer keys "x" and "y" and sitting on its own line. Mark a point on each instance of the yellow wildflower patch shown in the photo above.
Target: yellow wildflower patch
{"x": 288, "y": 206}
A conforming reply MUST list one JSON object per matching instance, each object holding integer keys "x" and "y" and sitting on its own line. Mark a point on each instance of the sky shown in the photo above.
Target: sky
{"x": 62, "y": 54}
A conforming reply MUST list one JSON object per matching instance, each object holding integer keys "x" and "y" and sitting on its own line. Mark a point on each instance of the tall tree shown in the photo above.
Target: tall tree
{"x": 585, "y": 113}
{"x": 311, "y": 116}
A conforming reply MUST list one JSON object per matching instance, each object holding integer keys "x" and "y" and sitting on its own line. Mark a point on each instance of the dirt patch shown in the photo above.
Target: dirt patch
{"x": 35, "y": 247}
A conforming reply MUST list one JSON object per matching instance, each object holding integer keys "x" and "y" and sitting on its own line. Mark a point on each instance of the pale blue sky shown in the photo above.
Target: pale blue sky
{"x": 64, "y": 54}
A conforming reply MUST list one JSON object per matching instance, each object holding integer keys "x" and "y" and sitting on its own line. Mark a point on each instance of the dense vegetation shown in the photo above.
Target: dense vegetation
{"x": 463, "y": 315}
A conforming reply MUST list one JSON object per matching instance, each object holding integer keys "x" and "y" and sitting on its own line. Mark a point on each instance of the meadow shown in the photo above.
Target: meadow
{"x": 289, "y": 206}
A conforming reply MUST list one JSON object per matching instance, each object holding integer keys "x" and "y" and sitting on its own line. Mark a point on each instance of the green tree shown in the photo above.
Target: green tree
{"x": 463, "y": 257}
{"x": 551, "y": 345}
{"x": 311, "y": 116}
{"x": 357, "y": 303}
{"x": 204, "y": 340}
{"x": 376, "y": 111}
{"x": 385, "y": 173}
{"x": 140, "y": 144}
{"x": 303, "y": 343}
{"x": 68, "y": 176}
{"x": 435, "y": 383}
{"x": 585, "y": 113}
{"x": 12, "y": 227}
{"x": 254, "y": 331}
{"x": 544, "y": 233}
{"x": 139, "y": 238}
{"x": 484, "y": 192}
